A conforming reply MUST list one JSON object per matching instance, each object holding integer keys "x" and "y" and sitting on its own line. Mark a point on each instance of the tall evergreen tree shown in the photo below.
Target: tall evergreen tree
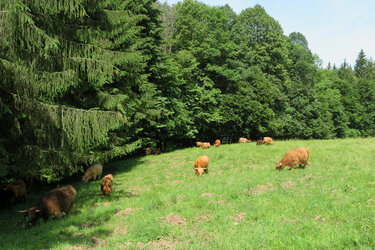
{"x": 75, "y": 82}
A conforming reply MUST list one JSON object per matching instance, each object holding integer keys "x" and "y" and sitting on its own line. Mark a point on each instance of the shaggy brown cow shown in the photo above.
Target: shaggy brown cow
{"x": 268, "y": 140}
{"x": 93, "y": 172}
{"x": 199, "y": 144}
{"x": 148, "y": 151}
{"x": 13, "y": 192}
{"x": 206, "y": 145}
{"x": 217, "y": 143}
{"x": 54, "y": 202}
{"x": 106, "y": 185}
{"x": 243, "y": 140}
{"x": 260, "y": 142}
{"x": 156, "y": 151}
{"x": 201, "y": 165}
{"x": 294, "y": 157}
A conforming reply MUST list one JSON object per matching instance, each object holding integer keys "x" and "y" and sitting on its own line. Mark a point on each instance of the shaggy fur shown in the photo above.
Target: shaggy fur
{"x": 201, "y": 165}
{"x": 93, "y": 172}
{"x": 199, "y": 144}
{"x": 54, "y": 202}
{"x": 106, "y": 185}
{"x": 206, "y": 145}
{"x": 13, "y": 192}
{"x": 243, "y": 140}
{"x": 294, "y": 157}
{"x": 268, "y": 140}
{"x": 217, "y": 143}
{"x": 260, "y": 142}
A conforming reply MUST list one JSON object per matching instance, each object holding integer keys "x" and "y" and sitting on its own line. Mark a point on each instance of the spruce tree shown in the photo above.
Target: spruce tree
{"x": 74, "y": 83}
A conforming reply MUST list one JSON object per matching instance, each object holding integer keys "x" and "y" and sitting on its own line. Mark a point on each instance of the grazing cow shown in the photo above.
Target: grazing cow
{"x": 201, "y": 165}
{"x": 156, "y": 151}
{"x": 148, "y": 151}
{"x": 260, "y": 142}
{"x": 243, "y": 140}
{"x": 294, "y": 157}
{"x": 217, "y": 143}
{"x": 106, "y": 185}
{"x": 12, "y": 192}
{"x": 93, "y": 172}
{"x": 54, "y": 202}
{"x": 206, "y": 145}
{"x": 199, "y": 144}
{"x": 268, "y": 140}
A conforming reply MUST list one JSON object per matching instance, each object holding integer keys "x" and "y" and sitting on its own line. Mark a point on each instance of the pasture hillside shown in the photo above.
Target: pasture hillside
{"x": 243, "y": 202}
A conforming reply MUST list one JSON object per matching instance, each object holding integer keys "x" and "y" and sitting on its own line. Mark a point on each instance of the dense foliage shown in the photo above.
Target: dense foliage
{"x": 86, "y": 81}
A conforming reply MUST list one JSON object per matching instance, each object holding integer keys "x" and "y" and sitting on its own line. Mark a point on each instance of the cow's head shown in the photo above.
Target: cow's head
{"x": 279, "y": 166}
{"x": 32, "y": 214}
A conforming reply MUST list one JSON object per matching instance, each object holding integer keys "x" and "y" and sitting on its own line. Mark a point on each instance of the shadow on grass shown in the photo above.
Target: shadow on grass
{"x": 86, "y": 226}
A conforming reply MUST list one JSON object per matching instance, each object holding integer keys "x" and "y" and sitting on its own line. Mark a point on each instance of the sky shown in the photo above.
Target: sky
{"x": 336, "y": 30}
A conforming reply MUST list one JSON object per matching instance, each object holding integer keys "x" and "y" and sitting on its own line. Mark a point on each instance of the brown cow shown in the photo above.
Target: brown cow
{"x": 156, "y": 151}
{"x": 243, "y": 140}
{"x": 199, "y": 144}
{"x": 201, "y": 165}
{"x": 294, "y": 157}
{"x": 93, "y": 172}
{"x": 54, "y": 202}
{"x": 206, "y": 145}
{"x": 13, "y": 192}
{"x": 148, "y": 151}
{"x": 268, "y": 140}
{"x": 106, "y": 185}
{"x": 217, "y": 143}
{"x": 260, "y": 142}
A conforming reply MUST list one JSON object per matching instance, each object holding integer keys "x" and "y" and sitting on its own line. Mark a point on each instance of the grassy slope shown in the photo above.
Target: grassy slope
{"x": 242, "y": 203}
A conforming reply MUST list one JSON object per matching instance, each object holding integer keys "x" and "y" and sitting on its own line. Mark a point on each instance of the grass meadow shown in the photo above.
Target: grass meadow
{"x": 243, "y": 202}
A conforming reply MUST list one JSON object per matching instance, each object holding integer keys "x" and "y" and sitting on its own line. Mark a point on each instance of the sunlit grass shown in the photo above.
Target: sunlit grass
{"x": 242, "y": 203}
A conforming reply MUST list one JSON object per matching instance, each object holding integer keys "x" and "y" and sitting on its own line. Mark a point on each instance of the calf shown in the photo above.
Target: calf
{"x": 206, "y": 145}
{"x": 199, "y": 144}
{"x": 294, "y": 157}
{"x": 217, "y": 143}
{"x": 93, "y": 172}
{"x": 243, "y": 140}
{"x": 260, "y": 142}
{"x": 268, "y": 140}
{"x": 201, "y": 165}
{"x": 106, "y": 185}
{"x": 52, "y": 203}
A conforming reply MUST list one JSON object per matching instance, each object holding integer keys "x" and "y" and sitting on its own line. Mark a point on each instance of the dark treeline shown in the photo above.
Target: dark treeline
{"x": 86, "y": 81}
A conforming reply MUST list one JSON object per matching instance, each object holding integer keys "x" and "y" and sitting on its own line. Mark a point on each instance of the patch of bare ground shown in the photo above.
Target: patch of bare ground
{"x": 371, "y": 200}
{"x": 262, "y": 188}
{"x": 120, "y": 230}
{"x": 319, "y": 218}
{"x": 207, "y": 194}
{"x": 222, "y": 201}
{"x": 175, "y": 182}
{"x": 239, "y": 218}
{"x": 288, "y": 184}
{"x": 290, "y": 220}
{"x": 174, "y": 220}
{"x": 154, "y": 244}
{"x": 126, "y": 211}
{"x": 104, "y": 204}
{"x": 201, "y": 217}
{"x": 95, "y": 242}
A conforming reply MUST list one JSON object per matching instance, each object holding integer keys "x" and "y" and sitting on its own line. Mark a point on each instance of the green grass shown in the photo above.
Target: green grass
{"x": 242, "y": 203}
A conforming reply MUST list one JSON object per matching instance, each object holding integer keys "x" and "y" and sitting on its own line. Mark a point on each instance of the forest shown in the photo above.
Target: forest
{"x": 86, "y": 81}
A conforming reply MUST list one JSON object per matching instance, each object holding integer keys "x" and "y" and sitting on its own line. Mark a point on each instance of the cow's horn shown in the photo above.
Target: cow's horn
{"x": 23, "y": 211}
